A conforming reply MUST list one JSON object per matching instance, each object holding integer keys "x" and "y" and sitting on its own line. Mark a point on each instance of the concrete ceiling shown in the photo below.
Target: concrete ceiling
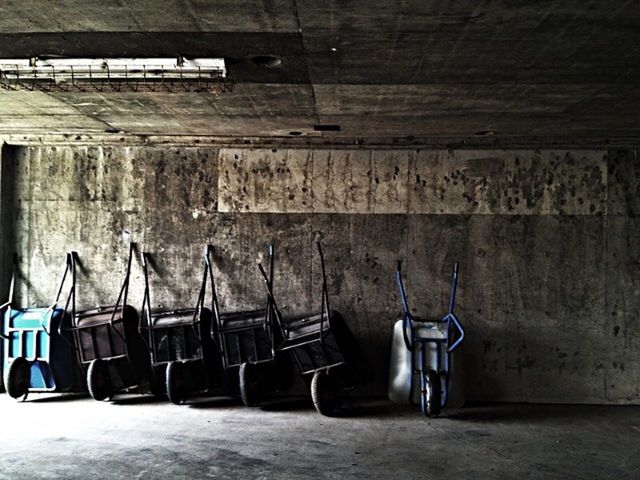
{"x": 548, "y": 70}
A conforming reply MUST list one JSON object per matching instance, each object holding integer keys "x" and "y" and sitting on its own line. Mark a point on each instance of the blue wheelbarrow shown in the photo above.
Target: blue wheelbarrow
{"x": 39, "y": 353}
{"x": 421, "y": 368}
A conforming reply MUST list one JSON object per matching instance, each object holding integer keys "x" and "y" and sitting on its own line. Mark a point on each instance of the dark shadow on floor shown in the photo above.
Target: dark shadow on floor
{"x": 213, "y": 402}
{"x": 513, "y": 413}
{"x": 374, "y": 409}
{"x": 350, "y": 408}
{"x": 51, "y": 398}
{"x": 133, "y": 399}
{"x": 287, "y": 404}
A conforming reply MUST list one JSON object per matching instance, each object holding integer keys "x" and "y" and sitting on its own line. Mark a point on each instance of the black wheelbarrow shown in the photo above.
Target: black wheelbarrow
{"x": 184, "y": 359}
{"x": 111, "y": 345}
{"x": 324, "y": 348}
{"x": 267, "y": 372}
{"x": 246, "y": 348}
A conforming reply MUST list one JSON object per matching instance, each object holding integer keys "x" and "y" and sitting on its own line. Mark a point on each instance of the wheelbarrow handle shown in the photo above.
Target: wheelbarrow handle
{"x": 458, "y": 326}
{"x": 454, "y": 287}
{"x": 407, "y": 319}
{"x": 146, "y": 300}
{"x": 270, "y": 292}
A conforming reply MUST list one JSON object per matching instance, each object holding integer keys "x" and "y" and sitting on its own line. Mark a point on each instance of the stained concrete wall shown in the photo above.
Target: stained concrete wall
{"x": 548, "y": 243}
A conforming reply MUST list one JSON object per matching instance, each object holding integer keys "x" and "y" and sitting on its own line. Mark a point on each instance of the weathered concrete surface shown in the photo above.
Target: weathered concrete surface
{"x": 421, "y": 181}
{"x": 548, "y": 291}
{"x": 81, "y": 438}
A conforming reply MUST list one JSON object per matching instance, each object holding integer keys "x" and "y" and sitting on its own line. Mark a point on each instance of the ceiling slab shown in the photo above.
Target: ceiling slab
{"x": 273, "y": 16}
{"x": 246, "y": 100}
{"x": 384, "y": 72}
{"x": 479, "y": 45}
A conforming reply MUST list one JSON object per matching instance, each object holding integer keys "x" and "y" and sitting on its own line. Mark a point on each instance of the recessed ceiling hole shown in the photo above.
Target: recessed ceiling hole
{"x": 268, "y": 61}
{"x": 486, "y": 133}
{"x": 326, "y": 128}
{"x": 295, "y": 133}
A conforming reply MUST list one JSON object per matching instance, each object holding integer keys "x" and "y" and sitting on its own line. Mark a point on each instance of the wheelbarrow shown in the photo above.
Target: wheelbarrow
{"x": 111, "y": 346}
{"x": 260, "y": 378}
{"x": 184, "y": 359}
{"x": 324, "y": 348}
{"x": 245, "y": 341}
{"x": 39, "y": 354}
{"x": 421, "y": 368}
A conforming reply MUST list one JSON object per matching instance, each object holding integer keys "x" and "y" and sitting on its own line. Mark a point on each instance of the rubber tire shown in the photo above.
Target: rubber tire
{"x": 250, "y": 384}
{"x": 18, "y": 378}
{"x": 434, "y": 398}
{"x": 175, "y": 383}
{"x": 99, "y": 380}
{"x": 323, "y": 394}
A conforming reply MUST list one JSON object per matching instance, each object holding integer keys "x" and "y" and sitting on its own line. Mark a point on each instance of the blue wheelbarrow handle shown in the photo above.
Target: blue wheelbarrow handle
{"x": 456, "y": 322}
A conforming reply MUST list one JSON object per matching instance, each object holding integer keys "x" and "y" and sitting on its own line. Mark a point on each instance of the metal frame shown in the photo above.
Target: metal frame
{"x": 412, "y": 342}
{"x": 116, "y": 75}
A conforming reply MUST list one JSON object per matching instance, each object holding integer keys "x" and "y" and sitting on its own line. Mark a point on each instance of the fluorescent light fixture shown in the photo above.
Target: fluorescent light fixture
{"x": 115, "y": 74}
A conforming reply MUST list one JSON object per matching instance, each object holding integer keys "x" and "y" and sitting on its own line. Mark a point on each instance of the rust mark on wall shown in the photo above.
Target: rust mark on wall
{"x": 525, "y": 182}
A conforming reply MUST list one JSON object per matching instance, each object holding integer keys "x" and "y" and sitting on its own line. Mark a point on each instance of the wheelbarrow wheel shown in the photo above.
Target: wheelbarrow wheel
{"x": 175, "y": 383}
{"x": 99, "y": 381}
{"x": 432, "y": 394}
{"x": 249, "y": 376}
{"x": 324, "y": 394}
{"x": 18, "y": 378}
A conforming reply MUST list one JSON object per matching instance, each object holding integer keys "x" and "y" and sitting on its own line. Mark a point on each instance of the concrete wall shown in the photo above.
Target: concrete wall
{"x": 548, "y": 243}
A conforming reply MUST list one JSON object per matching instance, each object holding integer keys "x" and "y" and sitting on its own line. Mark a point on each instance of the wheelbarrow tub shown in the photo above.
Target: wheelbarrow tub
{"x": 333, "y": 345}
{"x": 118, "y": 342}
{"x": 400, "y": 367}
{"x": 244, "y": 338}
{"x": 50, "y": 355}
{"x": 177, "y": 338}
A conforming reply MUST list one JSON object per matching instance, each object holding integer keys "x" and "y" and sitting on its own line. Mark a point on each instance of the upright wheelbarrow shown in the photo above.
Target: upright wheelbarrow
{"x": 184, "y": 359}
{"x": 245, "y": 341}
{"x": 39, "y": 354}
{"x": 421, "y": 369}
{"x": 324, "y": 348}
{"x": 111, "y": 345}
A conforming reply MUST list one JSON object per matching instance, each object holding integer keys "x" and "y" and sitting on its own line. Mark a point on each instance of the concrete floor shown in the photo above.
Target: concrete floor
{"x": 50, "y": 437}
